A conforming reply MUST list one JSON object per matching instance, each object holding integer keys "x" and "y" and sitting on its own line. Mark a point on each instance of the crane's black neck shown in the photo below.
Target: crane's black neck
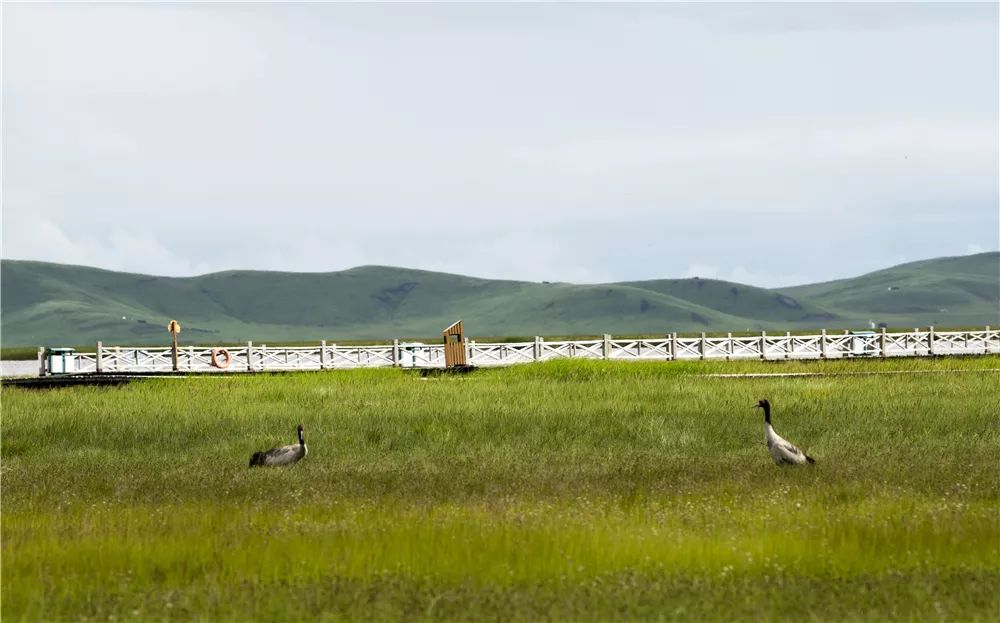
{"x": 302, "y": 439}
{"x": 767, "y": 413}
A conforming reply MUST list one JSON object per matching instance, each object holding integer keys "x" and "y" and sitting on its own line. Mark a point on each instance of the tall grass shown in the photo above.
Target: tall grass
{"x": 569, "y": 490}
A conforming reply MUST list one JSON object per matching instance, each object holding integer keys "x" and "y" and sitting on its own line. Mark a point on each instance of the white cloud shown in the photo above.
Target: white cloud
{"x": 704, "y": 271}
{"x": 161, "y": 49}
{"x": 771, "y": 279}
{"x": 317, "y": 137}
{"x": 779, "y": 167}
{"x": 116, "y": 248}
{"x": 741, "y": 274}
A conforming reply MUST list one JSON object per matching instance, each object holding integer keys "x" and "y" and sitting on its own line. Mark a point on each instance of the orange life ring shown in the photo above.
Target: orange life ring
{"x": 215, "y": 358}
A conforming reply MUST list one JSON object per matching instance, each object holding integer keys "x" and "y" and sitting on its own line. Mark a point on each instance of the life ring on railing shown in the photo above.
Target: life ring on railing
{"x": 215, "y": 358}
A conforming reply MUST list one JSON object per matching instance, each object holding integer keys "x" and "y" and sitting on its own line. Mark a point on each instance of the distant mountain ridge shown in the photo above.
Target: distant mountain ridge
{"x": 46, "y": 304}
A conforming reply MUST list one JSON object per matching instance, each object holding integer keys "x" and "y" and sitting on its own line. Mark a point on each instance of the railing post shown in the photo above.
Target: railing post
{"x": 98, "y": 363}
{"x": 41, "y": 361}
{"x": 881, "y": 343}
{"x": 395, "y": 352}
{"x": 249, "y": 356}
{"x": 822, "y": 344}
{"x": 606, "y": 347}
{"x": 537, "y": 351}
{"x": 930, "y": 340}
{"x": 672, "y": 345}
{"x": 763, "y": 345}
{"x": 789, "y": 347}
{"x": 701, "y": 345}
{"x": 729, "y": 346}
{"x": 986, "y": 342}
{"x": 322, "y": 354}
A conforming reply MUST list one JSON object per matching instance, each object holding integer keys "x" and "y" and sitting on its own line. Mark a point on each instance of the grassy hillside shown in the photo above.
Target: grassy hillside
{"x": 48, "y": 304}
{"x": 565, "y": 491}
{"x": 952, "y": 290}
{"x": 736, "y": 299}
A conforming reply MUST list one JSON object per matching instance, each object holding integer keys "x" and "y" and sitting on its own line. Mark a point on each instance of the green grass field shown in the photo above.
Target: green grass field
{"x": 564, "y": 491}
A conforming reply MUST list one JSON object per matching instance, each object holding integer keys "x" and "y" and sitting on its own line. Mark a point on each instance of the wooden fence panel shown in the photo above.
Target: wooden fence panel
{"x": 639, "y": 349}
{"x": 687, "y": 348}
{"x": 501, "y": 354}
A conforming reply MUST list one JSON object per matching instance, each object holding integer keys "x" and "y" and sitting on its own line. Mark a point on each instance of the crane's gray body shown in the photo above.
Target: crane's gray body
{"x": 283, "y": 455}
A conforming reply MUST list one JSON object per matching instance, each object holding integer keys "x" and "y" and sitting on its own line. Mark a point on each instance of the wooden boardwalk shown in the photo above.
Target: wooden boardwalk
{"x": 324, "y": 356}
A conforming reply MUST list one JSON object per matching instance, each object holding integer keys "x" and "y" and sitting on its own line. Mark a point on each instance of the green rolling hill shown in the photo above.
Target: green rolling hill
{"x": 51, "y": 304}
{"x": 952, "y": 291}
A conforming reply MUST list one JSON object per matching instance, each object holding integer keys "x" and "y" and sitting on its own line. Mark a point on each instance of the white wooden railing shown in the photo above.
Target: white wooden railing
{"x": 916, "y": 343}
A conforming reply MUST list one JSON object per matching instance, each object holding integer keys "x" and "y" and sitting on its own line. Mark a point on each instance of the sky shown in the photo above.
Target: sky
{"x": 769, "y": 144}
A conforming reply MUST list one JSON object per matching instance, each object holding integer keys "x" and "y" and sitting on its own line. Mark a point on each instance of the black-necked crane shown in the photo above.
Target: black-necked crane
{"x": 782, "y": 451}
{"x": 283, "y": 455}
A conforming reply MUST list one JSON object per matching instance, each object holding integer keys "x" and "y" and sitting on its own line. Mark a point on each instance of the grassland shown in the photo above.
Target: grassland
{"x": 565, "y": 491}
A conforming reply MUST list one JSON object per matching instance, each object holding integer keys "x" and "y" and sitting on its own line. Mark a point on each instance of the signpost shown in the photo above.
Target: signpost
{"x": 174, "y": 327}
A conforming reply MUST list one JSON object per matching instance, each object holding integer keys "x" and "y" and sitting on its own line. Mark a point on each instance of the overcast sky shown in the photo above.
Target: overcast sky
{"x": 771, "y": 144}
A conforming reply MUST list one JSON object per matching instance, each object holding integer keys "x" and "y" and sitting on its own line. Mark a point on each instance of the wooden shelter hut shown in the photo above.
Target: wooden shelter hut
{"x": 454, "y": 346}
